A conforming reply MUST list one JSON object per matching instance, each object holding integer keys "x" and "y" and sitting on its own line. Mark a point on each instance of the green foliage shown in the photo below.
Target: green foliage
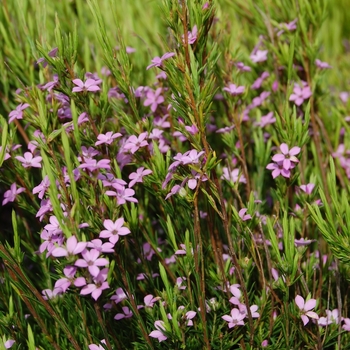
{"x": 207, "y": 235}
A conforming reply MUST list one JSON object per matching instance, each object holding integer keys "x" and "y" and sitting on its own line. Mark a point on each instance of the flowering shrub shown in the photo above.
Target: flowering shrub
{"x": 187, "y": 191}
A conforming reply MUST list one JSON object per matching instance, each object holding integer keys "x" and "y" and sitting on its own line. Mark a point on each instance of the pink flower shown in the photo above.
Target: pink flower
{"x": 149, "y": 300}
{"x": 322, "y": 65}
{"x": 73, "y": 248}
{"x": 97, "y": 347}
{"x": 91, "y": 260}
{"x": 258, "y": 82}
{"x": 107, "y": 138}
{"x": 10, "y": 195}
{"x": 331, "y": 318}
{"x": 29, "y": 160}
{"x": 259, "y": 56}
{"x": 89, "y": 85}
{"x": 300, "y": 94}
{"x": 126, "y": 314}
{"x": 138, "y": 176}
{"x": 287, "y": 156}
{"x": 242, "y": 67}
{"x": 303, "y": 242}
{"x": 236, "y": 318}
{"x": 9, "y": 343}
{"x": 93, "y": 164}
{"x": 266, "y": 120}
{"x": 42, "y": 187}
{"x": 346, "y": 325}
{"x": 278, "y": 169}
{"x": 233, "y": 176}
{"x": 191, "y": 36}
{"x": 306, "y": 308}
{"x": 96, "y": 288}
{"x": 51, "y": 294}
{"x": 114, "y": 230}
{"x": 123, "y": 195}
{"x": 307, "y": 188}
{"x": 189, "y": 316}
{"x": 234, "y": 90}
{"x": 133, "y": 143}
{"x": 18, "y": 112}
{"x": 158, "y": 61}
{"x": 101, "y": 247}
{"x": 158, "y": 334}
{"x": 242, "y": 214}
{"x": 153, "y": 99}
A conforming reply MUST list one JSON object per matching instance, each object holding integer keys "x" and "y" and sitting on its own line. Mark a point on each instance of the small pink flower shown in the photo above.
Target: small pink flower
{"x": 191, "y": 35}
{"x": 259, "y": 56}
{"x": 158, "y": 334}
{"x": 133, "y": 143}
{"x": 153, "y": 99}
{"x": 9, "y": 343}
{"x": 127, "y": 313}
{"x": 73, "y": 248}
{"x": 287, "y": 156}
{"x": 114, "y": 230}
{"x": 97, "y": 347}
{"x": 10, "y": 195}
{"x": 300, "y": 94}
{"x": 107, "y": 138}
{"x": 29, "y": 160}
{"x": 322, "y": 65}
{"x": 92, "y": 261}
{"x": 158, "y": 61}
{"x": 346, "y": 325}
{"x": 234, "y": 90}
{"x": 96, "y": 288}
{"x": 242, "y": 214}
{"x": 18, "y": 112}
{"x": 138, "y": 176}
{"x": 307, "y": 188}
{"x": 305, "y": 308}
{"x": 89, "y": 85}
{"x": 236, "y": 318}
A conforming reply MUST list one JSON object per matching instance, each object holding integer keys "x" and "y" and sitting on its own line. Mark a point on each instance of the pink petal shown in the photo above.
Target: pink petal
{"x": 58, "y": 252}
{"x": 294, "y": 151}
{"x": 284, "y": 148}
{"x": 310, "y": 304}
{"x": 305, "y": 319}
{"x": 299, "y": 301}
{"x": 88, "y": 289}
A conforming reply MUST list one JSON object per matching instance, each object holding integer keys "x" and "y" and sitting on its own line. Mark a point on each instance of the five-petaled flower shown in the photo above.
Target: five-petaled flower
{"x": 18, "y": 112}
{"x": 91, "y": 260}
{"x": 10, "y": 195}
{"x": 305, "y": 308}
{"x": 28, "y": 160}
{"x": 234, "y": 90}
{"x": 287, "y": 156}
{"x": 73, "y": 247}
{"x": 89, "y": 85}
{"x": 259, "y": 56}
{"x": 107, "y": 138}
{"x": 113, "y": 230}
{"x": 133, "y": 143}
{"x": 236, "y": 318}
{"x": 153, "y": 99}
{"x": 138, "y": 176}
{"x": 300, "y": 94}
